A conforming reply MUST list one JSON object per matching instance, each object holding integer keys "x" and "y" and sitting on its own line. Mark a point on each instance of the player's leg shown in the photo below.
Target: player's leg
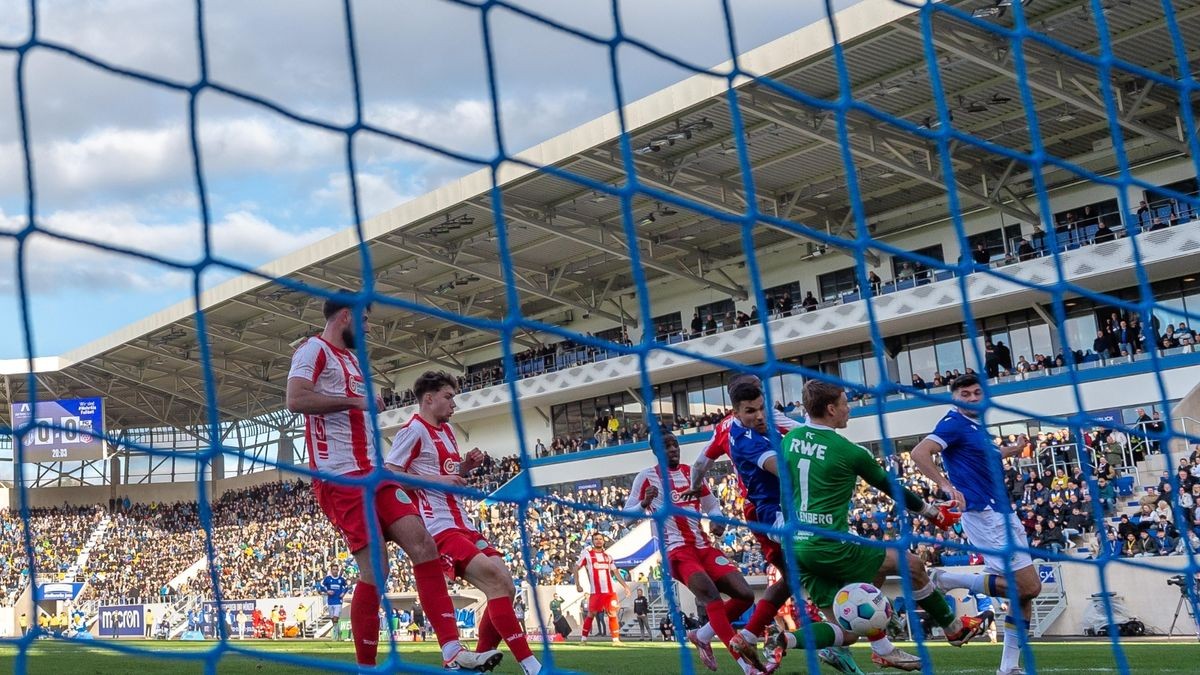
{"x": 774, "y": 597}
{"x": 364, "y": 606}
{"x": 991, "y": 530}
{"x": 959, "y": 631}
{"x": 613, "y": 610}
{"x": 731, "y": 582}
{"x": 488, "y": 574}
{"x": 410, "y": 533}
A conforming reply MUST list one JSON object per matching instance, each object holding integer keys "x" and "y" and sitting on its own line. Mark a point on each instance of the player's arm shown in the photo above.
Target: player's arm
{"x": 710, "y": 505}
{"x": 877, "y": 478}
{"x": 641, "y": 495}
{"x": 922, "y": 456}
{"x": 699, "y": 468}
{"x": 783, "y": 423}
{"x": 579, "y": 567}
{"x": 302, "y": 398}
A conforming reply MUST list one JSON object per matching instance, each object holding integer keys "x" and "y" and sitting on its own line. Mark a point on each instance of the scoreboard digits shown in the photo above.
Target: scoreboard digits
{"x": 63, "y": 430}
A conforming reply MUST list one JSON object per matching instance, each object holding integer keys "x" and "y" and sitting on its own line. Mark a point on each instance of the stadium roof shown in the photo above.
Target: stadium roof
{"x": 567, "y": 240}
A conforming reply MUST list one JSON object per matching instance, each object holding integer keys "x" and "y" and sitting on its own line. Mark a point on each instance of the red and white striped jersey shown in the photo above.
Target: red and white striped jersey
{"x": 342, "y": 442}
{"x": 600, "y": 569}
{"x": 718, "y": 445}
{"x": 423, "y": 449}
{"x": 675, "y": 531}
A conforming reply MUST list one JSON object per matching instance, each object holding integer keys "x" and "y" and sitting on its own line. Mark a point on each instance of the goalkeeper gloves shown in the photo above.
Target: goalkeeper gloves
{"x": 942, "y": 515}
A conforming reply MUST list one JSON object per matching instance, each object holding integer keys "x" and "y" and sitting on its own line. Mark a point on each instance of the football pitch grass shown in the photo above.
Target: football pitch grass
{"x": 59, "y": 658}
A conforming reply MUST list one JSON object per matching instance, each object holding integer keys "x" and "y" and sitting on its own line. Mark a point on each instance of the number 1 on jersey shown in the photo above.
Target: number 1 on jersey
{"x": 802, "y": 467}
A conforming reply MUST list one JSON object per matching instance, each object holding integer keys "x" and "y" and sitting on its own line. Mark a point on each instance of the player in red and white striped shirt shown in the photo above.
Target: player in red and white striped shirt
{"x": 602, "y": 573}
{"x": 692, "y": 558}
{"x": 425, "y": 448}
{"x": 326, "y": 385}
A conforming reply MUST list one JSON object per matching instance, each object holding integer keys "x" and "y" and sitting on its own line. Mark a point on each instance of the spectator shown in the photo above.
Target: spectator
{"x": 809, "y": 303}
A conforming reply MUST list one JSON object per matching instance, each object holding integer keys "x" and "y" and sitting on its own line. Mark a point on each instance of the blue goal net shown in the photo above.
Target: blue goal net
{"x": 893, "y": 194}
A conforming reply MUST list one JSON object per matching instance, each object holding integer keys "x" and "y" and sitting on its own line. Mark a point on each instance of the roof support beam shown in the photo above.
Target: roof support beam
{"x": 264, "y": 306}
{"x": 619, "y": 248}
{"x": 954, "y": 44}
{"x": 773, "y": 108}
{"x": 418, "y": 249}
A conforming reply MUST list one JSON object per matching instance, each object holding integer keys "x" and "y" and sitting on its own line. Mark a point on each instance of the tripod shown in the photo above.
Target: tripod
{"x": 1183, "y": 603}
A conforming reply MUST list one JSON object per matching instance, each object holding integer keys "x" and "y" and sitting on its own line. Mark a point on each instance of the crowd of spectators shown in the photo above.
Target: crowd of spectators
{"x": 58, "y": 535}
{"x": 268, "y": 540}
{"x": 1168, "y": 518}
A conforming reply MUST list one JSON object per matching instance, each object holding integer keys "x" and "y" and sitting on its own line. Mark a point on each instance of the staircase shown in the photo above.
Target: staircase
{"x": 1051, "y": 602}
{"x": 98, "y": 534}
{"x": 178, "y": 612}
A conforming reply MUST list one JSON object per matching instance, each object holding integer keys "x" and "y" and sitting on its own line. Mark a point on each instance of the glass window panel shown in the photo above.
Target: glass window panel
{"x": 793, "y": 387}
{"x": 852, "y": 371}
{"x": 1019, "y": 345}
{"x": 695, "y": 402}
{"x": 1081, "y": 332}
{"x": 1173, "y": 311}
{"x": 714, "y": 399}
{"x": 924, "y": 362}
{"x": 777, "y": 391}
{"x": 904, "y": 365}
{"x": 949, "y": 356}
{"x": 1039, "y": 337}
{"x": 871, "y": 372}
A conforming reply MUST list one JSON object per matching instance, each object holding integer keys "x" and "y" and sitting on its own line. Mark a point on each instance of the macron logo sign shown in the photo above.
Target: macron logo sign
{"x": 807, "y": 449}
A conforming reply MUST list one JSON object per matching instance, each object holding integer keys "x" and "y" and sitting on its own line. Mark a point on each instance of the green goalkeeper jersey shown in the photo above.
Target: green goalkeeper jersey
{"x": 824, "y": 469}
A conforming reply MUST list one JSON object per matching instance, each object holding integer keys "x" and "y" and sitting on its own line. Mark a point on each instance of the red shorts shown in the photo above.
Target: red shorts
{"x": 345, "y": 508}
{"x": 602, "y": 602}
{"x": 458, "y": 547}
{"x": 772, "y": 552}
{"x": 684, "y": 561}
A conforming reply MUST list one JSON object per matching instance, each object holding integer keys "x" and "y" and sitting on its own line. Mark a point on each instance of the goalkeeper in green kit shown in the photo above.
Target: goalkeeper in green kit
{"x": 824, "y": 469}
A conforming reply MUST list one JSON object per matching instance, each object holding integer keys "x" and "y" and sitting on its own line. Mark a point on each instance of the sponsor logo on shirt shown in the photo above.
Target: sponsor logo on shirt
{"x": 450, "y": 466}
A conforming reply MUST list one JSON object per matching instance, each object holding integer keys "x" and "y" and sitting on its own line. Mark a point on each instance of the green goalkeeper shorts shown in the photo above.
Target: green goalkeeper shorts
{"x": 826, "y": 565}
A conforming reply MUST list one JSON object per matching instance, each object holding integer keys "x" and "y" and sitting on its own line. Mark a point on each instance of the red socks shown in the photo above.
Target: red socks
{"x": 734, "y": 609}
{"x": 488, "y": 636}
{"x": 587, "y": 625}
{"x": 439, "y": 609}
{"x": 614, "y": 628}
{"x": 764, "y": 615}
{"x": 364, "y": 623}
{"x": 503, "y": 622}
{"x": 719, "y": 620}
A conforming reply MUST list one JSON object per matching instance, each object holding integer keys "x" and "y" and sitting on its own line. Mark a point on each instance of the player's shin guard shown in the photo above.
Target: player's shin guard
{"x": 439, "y": 609}
{"x": 489, "y": 637}
{"x": 364, "y": 623}
{"x": 719, "y": 621}
{"x": 506, "y": 624}
{"x": 763, "y": 616}
{"x": 931, "y": 600}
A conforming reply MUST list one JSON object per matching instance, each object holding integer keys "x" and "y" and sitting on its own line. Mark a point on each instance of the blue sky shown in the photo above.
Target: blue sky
{"x": 112, "y": 161}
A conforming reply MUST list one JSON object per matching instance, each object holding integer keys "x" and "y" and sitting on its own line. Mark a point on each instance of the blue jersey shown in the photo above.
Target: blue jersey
{"x": 972, "y": 462}
{"x": 749, "y": 450}
{"x": 983, "y": 603}
{"x": 336, "y": 587}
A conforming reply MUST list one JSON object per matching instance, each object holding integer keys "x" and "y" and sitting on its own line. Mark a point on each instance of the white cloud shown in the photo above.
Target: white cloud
{"x": 54, "y": 265}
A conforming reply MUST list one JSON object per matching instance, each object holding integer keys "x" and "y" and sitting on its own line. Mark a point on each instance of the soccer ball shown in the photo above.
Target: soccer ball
{"x": 863, "y": 610}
